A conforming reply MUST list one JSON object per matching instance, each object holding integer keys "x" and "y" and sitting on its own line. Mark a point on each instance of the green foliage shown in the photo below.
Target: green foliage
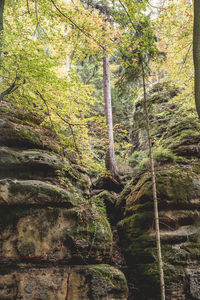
{"x": 162, "y": 155}
{"x": 100, "y": 205}
{"x": 140, "y": 160}
{"x": 137, "y": 158}
{"x": 34, "y": 69}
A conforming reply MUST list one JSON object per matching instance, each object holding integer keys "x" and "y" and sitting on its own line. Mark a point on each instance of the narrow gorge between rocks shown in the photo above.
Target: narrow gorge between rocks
{"x": 56, "y": 243}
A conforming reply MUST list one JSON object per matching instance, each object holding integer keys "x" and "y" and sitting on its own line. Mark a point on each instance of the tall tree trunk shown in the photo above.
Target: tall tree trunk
{"x": 110, "y": 155}
{"x": 2, "y": 3}
{"x": 67, "y": 61}
{"x": 155, "y": 200}
{"x": 196, "y": 54}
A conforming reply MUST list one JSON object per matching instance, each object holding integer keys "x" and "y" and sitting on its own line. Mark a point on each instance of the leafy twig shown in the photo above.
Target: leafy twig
{"x": 72, "y": 132}
{"x": 77, "y": 26}
{"x": 129, "y": 17}
{"x": 14, "y": 86}
{"x": 185, "y": 58}
{"x": 47, "y": 107}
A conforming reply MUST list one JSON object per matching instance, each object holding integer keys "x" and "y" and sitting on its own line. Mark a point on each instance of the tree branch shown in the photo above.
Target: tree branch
{"x": 72, "y": 132}
{"x": 129, "y": 17}
{"x": 27, "y": 3}
{"x": 77, "y": 26}
{"x": 11, "y": 88}
{"x": 157, "y": 7}
{"x": 47, "y": 107}
{"x": 186, "y": 56}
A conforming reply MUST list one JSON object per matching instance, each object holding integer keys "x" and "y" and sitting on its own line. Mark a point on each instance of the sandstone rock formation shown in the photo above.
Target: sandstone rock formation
{"x": 54, "y": 244}
{"x": 176, "y": 138}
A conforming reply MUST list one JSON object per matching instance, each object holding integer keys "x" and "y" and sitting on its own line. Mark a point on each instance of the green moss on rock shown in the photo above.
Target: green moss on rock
{"x": 135, "y": 242}
{"x": 175, "y": 184}
{"x": 175, "y": 135}
{"x": 34, "y": 192}
{"x": 104, "y": 281}
{"x": 29, "y": 136}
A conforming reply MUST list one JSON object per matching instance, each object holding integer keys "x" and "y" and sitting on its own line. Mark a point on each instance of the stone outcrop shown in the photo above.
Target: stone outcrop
{"x": 176, "y": 139}
{"x": 54, "y": 243}
{"x": 80, "y": 282}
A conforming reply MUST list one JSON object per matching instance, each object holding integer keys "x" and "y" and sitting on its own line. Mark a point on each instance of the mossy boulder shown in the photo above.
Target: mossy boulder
{"x": 176, "y": 185}
{"x": 18, "y": 136}
{"x": 180, "y": 239}
{"x": 105, "y": 282}
{"x": 55, "y": 234}
{"x": 51, "y": 233}
{"x": 172, "y": 126}
{"x": 95, "y": 282}
{"x": 135, "y": 242}
{"x": 24, "y": 136}
{"x": 33, "y": 192}
{"x": 29, "y": 164}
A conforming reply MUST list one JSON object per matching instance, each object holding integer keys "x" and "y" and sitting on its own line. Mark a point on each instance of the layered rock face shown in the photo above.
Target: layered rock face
{"x": 176, "y": 139}
{"x": 54, "y": 244}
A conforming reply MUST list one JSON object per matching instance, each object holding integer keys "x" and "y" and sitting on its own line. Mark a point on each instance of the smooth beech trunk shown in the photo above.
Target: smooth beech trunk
{"x": 155, "y": 200}
{"x": 196, "y": 54}
{"x": 110, "y": 155}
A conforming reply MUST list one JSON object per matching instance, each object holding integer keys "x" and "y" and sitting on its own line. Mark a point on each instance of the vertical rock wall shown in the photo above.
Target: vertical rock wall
{"x": 53, "y": 243}
{"x": 176, "y": 139}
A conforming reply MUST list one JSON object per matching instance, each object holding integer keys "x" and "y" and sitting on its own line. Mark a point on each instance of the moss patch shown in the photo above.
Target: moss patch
{"x": 104, "y": 281}
{"x": 37, "y": 192}
{"x": 175, "y": 184}
{"x": 135, "y": 242}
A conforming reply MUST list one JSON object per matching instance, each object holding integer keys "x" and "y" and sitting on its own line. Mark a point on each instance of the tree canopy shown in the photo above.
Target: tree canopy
{"x": 38, "y": 36}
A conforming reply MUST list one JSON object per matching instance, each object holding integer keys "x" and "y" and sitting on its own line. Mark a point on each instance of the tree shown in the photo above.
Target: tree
{"x": 196, "y": 54}
{"x": 145, "y": 50}
{"x": 2, "y": 3}
{"x": 110, "y": 161}
{"x": 154, "y": 187}
{"x": 174, "y": 29}
{"x": 110, "y": 154}
{"x": 33, "y": 81}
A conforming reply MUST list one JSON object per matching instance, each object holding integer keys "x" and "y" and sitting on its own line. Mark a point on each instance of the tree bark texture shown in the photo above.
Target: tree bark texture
{"x": 196, "y": 54}
{"x": 155, "y": 200}
{"x": 110, "y": 155}
{"x": 2, "y": 3}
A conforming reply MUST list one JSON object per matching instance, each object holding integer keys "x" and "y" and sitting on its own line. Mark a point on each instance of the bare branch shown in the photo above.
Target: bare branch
{"x": 28, "y": 8}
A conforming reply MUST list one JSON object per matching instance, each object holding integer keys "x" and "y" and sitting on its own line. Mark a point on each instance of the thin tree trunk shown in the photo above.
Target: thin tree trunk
{"x": 110, "y": 155}
{"x": 67, "y": 61}
{"x": 196, "y": 54}
{"x": 155, "y": 200}
{"x": 2, "y": 3}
